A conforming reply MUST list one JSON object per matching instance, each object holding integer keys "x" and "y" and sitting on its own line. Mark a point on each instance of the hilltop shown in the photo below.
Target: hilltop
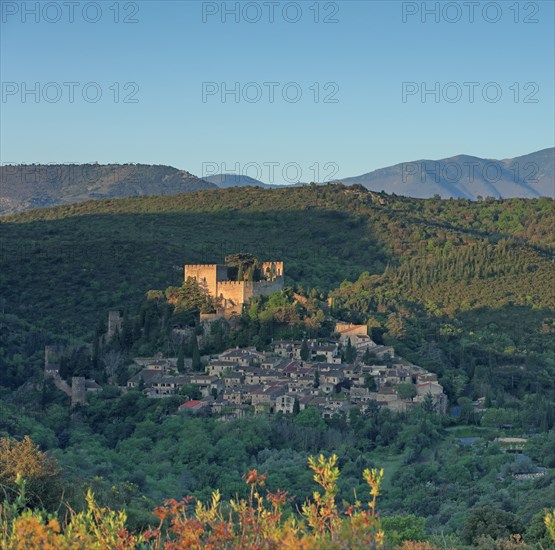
{"x": 236, "y": 180}
{"x": 27, "y": 186}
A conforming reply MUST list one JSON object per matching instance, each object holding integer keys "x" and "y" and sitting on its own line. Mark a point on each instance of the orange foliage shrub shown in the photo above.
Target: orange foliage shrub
{"x": 24, "y": 458}
{"x": 255, "y": 523}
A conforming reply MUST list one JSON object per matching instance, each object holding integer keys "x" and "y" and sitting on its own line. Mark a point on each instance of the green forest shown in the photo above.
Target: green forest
{"x": 464, "y": 289}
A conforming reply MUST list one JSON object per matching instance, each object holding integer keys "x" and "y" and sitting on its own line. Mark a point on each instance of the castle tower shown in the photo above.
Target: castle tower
{"x": 272, "y": 270}
{"x": 51, "y": 360}
{"x": 115, "y": 322}
{"x": 233, "y": 294}
{"x": 206, "y": 275}
{"x": 78, "y": 391}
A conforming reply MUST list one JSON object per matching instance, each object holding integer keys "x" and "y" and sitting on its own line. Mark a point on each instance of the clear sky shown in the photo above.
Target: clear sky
{"x": 343, "y": 68}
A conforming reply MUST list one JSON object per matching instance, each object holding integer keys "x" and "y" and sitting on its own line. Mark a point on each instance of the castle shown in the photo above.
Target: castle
{"x": 233, "y": 294}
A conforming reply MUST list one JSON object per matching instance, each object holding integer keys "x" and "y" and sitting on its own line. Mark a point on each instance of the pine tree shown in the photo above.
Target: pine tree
{"x": 181, "y": 360}
{"x": 367, "y": 357}
{"x": 304, "y": 351}
{"x": 370, "y": 382}
{"x": 195, "y": 354}
{"x": 95, "y": 353}
{"x": 350, "y": 352}
{"x": 126, "y": 336}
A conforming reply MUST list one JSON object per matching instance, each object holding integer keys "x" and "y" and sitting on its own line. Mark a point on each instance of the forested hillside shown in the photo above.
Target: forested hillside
{"x": 105, "y": 254}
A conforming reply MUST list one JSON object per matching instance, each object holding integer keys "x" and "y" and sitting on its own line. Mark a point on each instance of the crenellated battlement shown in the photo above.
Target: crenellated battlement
{"x": 231, "y": 284}
{"x": 235, "y": 294}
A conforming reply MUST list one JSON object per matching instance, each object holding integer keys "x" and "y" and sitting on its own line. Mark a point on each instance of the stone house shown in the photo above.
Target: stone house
{"x": 233, "y": 379}
{"x": 435, "y": 390}
{"x": 263, "y": 399}
{"x": 285, "y": 404}
{"x": 147, "y": 376}
{"x": 167, "y": 385}
{"x": 273, "y": 362}
{"x": 330, "y": 353}
{"x": 218, "y": 368}
{"x": 286, "y": 348}
{"x": 334, "y": 377}
{"x": 237, "y": 356}
{"x": 238, "y": 395}
{"x": 358, "y": 334}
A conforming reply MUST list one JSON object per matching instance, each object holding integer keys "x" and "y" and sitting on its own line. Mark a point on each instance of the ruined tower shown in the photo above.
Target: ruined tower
{"x": 115, "y": 322}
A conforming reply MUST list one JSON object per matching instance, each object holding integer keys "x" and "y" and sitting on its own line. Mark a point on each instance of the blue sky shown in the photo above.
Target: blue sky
{"x": 361, "y": 61}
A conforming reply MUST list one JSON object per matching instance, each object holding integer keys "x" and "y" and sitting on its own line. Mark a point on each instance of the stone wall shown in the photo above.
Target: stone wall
{"x": 263, "y": 288}
{"x": 232, "y": 294}
{"x": 207, "y": 275}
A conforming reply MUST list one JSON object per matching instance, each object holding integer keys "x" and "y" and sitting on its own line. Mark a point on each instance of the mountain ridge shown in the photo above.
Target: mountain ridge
{"x": 466, "y": 176}
{"x": 28, "y": 186}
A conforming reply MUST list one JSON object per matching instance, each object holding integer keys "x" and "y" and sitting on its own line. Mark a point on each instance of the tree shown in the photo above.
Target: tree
{"x": 192, "y": 391}
{"x": 23, "y": 459}
{"x": 395, "y": 326}
{"x": 296, "y": 407}
{"x": 400, "y": 528}
{"x": 190, "y": 298}
{"x": 350, "y": 352}
{"x": 113, "y": 361}
{"x": 309, "y": 418}
{"x": 492, "y": 522}
{"x": 428, "y": 404}
{"x": 195, "y": 354}
{"x": 304, "y": 351}
{"x": 367, "y": 357}
{"x": 370, "y": 382}
{"x": 317, "y": 378}
{"x": 406, "y": 391}
{"x": 246, "y": 266}
{"x": 181, "y": 360}
{"x": 126, "y": 335}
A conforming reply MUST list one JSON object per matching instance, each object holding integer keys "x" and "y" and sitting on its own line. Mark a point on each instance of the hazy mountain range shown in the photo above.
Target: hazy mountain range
{"x": 468, "y": 177}
{"x": 28, "y": 186}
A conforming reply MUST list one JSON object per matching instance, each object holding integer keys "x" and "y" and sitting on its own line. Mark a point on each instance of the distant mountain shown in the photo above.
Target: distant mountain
{"x": 236, "y": 180}
{"x": 468, "y": 177}
{"x": 28, "y": 186}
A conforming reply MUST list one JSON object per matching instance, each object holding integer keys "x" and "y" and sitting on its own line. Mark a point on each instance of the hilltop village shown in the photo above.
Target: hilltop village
{"x": 348, "y": 370}
{"x": 296, "y": 375}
